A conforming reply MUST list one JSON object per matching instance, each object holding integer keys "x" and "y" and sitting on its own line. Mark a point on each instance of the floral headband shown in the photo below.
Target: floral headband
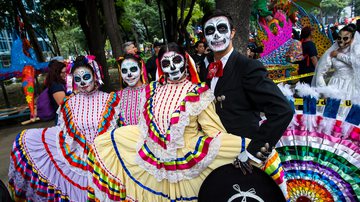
{"x": 89, "y": 59}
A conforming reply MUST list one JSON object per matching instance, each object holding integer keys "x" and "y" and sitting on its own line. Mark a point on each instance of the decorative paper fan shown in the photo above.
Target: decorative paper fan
{"x": 320, "y": 150}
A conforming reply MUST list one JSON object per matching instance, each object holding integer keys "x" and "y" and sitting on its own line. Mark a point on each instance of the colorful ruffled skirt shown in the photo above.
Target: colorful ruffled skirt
{"x": 124, "y": 170}
{"x": 39, "y": 172}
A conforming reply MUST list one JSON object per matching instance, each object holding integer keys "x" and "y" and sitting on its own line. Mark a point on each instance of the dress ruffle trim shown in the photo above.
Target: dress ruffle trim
{"x": 23, "y": 174}
{"x": 71, "y": 139}
{"x": 165, "y": 145}
{"x": 328, "y": 156}
{"x": 106, "y": 186}
{"x": 186, "y": 167}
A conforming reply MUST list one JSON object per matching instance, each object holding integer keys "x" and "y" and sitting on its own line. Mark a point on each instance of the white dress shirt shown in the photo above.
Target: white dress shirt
{"x": 224, "y": 60}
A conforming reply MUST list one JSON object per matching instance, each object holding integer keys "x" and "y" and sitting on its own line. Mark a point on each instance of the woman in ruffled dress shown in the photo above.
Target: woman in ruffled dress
{"x": 178, "y": 141}
{"x": 133, "y": 81}
{"x": 50, "y": 164}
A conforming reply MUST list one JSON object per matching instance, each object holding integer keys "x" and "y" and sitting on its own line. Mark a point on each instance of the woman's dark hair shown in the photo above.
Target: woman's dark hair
{"x": 121, "y": 60}
{"x": 217, "y": 13}
{"x": 176, "y": 48}
{"x": 171, "y": 47}
{"x": 349, "y": 28}
{"x": 130, "y": 56}
{"x": 54, "y": 74}
{"x": 81, "y": 61}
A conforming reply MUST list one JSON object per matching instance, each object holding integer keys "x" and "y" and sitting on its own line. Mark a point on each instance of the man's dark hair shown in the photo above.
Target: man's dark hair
{"x": 217, "y": 13}
{"x": 358, "y": 25}
{"x": 198, "y": 43}
{"x": 305, "y": 32}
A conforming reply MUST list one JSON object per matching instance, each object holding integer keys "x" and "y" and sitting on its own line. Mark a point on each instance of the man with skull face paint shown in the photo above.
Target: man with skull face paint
{"x": 242, "y": 92}
{"x": 178, "y": 141}
{"x": 341, "y": 56}
{"x": 50, "y": 164}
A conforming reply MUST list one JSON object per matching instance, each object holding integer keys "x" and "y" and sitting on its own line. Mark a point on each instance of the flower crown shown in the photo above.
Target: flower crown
{"x": 89, "y": 59}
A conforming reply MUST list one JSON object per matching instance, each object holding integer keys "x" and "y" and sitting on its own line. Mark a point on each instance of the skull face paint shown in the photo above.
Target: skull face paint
{"x": 344, "y": 39}
{"x": 173, "y": 64}
{"x": 218, "y": 33}
{"x": 84, "y": 79}
{"x": 130, "y": 72}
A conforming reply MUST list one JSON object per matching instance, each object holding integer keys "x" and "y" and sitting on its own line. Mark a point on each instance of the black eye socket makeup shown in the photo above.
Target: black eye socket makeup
{"x": 222, "y": 28}
{"x": 165, "y": 63}
{"x": 124, "y": 71}
{"x": 86, "y": 77}
{"x": 209, "y": 30}
{"x": 343, "y": 38}
{"x": 133, "y": 69}
{"x": 177, "y": 59}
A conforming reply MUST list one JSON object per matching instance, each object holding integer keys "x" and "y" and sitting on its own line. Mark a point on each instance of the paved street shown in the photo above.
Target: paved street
{"x": 8, "y": 132}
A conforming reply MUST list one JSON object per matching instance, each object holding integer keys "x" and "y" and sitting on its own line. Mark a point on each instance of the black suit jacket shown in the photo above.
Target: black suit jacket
{"x": 151, "y": 68}
{"x": 248, "y": 92}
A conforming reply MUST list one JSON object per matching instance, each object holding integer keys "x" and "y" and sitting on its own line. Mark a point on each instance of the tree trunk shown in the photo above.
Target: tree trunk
{"x": 89, "y": 16}
{"x": 135, "y": 35}
{"x": 54, "y": 41}
{"x": 180, "y": 27}
{"x": 33, "y": 39}
{"x": 240, "y": 13}
{"x": 112, "y": 27}
{"x": 185, "y": 24}
{"x": 170, "y": 10}
{"x": 124, "y": 32}
{"x": 148, "y": 38}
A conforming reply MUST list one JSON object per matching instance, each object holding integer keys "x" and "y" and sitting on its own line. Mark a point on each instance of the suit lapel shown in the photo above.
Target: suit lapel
{"x": 228, "y": 69}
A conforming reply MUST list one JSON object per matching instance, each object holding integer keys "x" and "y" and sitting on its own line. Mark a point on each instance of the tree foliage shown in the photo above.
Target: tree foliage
{"x": 333, "y": 7}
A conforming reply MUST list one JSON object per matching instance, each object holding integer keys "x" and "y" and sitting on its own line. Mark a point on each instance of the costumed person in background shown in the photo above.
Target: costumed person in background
{"x": 342, "y": 56}
{"x": 132, "y": 90}
{"x": 199, "y": 55}
{"x": 179, "y": 140}
{"x": 130, "y": 48}
{"x": 308, "y": 64}
{"x": 151, "y": 62}
{"x": 242, "y": 91}
{"x": 50, "y": 164}
{"x": 55, "y": 82}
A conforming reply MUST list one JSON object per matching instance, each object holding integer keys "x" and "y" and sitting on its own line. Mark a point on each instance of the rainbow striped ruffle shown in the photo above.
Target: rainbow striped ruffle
{"x": 25, "y": 168}
{"x": 153, "y": 131}
{"x": 72, "y": 158}
{"x": 31, "y": 176}
{"x": 319, "y": 166}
